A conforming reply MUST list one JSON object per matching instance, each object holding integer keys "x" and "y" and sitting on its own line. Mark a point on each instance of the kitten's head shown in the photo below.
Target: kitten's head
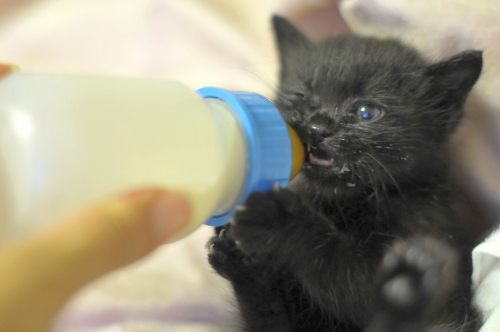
{"x": 372, "y": 113}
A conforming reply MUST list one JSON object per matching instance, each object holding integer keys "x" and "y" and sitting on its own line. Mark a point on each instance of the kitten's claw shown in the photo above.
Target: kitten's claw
{"x": 228, "y": 260}
{"x": 240, "y": 208}
{"x": 276, "y": 187}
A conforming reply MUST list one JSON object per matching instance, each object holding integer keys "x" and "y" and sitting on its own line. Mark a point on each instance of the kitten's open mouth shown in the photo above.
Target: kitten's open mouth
{"x": 319, "y": 157}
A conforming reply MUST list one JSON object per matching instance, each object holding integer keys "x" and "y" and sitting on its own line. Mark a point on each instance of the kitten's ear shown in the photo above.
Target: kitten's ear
{"x": 289, "y": 39}
{"x": 457, "y": 75}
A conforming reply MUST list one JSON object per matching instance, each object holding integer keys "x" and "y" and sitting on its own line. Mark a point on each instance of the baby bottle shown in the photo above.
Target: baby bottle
{"x": 68, "y": 141}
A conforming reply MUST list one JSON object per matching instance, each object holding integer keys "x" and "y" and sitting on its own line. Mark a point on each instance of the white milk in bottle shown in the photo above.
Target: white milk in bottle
{"x": 69, "y": 141}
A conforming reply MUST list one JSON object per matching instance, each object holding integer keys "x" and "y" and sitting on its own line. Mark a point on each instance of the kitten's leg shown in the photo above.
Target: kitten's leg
{"x": 255, "y": 285}
{"x": 417, "y": 279}
{"x": 334, "y": 271}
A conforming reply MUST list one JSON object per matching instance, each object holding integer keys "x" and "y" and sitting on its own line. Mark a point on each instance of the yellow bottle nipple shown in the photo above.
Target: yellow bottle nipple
{"x": 298, "y": 152}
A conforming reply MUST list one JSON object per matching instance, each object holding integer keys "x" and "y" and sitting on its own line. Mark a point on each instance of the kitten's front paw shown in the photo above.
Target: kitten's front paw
{"x": 416, "y": 278}
{"x": 229, "y": 261}
{"x": 258, "y": 226}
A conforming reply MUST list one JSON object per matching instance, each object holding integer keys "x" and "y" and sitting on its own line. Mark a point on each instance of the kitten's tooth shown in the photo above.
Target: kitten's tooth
{"x": 344, "y": 169}
{"x": 222, "y": 234}
{"x": 211, "y": 250}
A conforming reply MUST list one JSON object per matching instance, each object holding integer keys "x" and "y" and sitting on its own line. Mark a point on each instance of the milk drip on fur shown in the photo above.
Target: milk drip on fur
{"x": 69, "y": 141}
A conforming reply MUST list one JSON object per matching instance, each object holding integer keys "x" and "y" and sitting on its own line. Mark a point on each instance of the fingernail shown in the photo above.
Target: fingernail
{"x": 6, "y": 69}
{"x": 169, "y": 214}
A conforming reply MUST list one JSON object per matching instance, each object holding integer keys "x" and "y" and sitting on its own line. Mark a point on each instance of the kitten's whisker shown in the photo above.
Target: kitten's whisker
{"x": 268, "y": 82}
{"x": 465, "y": 321}
{"x": 388, "y": 173}
{"x": 373, "y": 186}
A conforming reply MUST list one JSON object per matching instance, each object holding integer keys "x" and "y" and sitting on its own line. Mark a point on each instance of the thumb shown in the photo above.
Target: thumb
{"x": 42, "y": 273}
{"x": 115, "y": 233}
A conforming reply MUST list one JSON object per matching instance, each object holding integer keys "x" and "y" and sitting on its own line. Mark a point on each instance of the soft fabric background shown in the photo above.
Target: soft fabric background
{"x": 229, "y": 44}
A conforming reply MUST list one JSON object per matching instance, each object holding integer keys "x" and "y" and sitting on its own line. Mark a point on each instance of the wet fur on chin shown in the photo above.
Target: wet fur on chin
{"x": 350, "y": 247}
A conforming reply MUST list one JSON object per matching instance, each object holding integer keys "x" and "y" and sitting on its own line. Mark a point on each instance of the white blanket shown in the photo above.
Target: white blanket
{"x": 486, "y": 280}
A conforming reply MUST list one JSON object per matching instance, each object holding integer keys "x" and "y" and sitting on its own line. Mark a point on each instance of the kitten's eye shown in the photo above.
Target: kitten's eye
{"x": 367, "y": 111}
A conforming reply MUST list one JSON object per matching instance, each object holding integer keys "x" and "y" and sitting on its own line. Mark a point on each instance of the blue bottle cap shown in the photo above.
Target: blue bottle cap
{"x": 269, "y": 146}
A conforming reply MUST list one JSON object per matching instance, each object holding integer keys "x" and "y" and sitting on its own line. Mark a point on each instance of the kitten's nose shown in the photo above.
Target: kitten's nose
{"x": 320, "y": 127}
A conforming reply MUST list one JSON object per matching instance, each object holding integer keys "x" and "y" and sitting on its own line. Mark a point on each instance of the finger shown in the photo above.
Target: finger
{"x": 41, "y": 274}
{"x": 115, "y": 233}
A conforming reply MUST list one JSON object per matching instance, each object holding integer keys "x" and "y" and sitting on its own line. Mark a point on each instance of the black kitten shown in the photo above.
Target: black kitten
{"x": 365, "y": 238}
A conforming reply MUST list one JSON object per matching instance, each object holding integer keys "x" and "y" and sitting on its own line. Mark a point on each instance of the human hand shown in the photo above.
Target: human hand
{"x": 40, "y": 274}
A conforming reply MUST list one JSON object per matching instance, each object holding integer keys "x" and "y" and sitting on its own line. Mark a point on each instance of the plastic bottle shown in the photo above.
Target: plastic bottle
{"x": 67, "y": 141}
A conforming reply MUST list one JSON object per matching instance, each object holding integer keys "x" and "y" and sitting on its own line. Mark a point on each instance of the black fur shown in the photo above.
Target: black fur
{"x": 369, "y": 242}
